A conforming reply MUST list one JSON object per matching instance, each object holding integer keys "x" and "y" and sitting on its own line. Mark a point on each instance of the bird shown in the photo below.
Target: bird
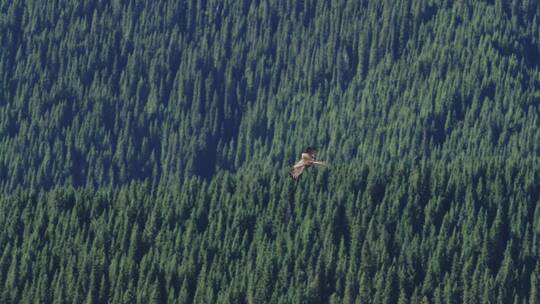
{"x": 307, "y": 160}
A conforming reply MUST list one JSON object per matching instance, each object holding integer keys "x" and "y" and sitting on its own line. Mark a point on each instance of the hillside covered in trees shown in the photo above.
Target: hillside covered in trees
{"x": 145, "y": 145}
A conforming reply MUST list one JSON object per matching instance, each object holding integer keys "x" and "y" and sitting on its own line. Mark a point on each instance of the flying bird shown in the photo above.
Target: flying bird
{"x": 307, "y": 160}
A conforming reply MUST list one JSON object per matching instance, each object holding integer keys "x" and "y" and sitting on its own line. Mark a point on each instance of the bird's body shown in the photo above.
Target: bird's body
{"x": 307, "y": 160}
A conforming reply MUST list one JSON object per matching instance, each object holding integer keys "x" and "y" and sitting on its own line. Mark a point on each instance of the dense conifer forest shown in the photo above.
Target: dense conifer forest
{"x": 145, "y": 146}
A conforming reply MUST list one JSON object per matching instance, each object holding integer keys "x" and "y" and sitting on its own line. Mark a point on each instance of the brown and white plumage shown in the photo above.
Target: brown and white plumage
{"x": 307, "y": 160}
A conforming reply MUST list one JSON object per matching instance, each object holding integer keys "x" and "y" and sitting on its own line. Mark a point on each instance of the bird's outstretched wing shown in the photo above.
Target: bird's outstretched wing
{"x": 297, "y": 170}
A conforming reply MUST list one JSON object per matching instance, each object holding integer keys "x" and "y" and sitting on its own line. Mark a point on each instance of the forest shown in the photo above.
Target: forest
{"x": 145, "y": 148}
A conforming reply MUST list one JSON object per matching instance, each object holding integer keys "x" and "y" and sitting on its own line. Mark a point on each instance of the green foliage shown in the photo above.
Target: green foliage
{"x": 134, "y": 243}
{"x": 144, "y": 147}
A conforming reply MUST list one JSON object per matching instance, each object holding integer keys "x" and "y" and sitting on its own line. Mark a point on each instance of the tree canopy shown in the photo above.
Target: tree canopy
{"x": 144, "y": 150}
